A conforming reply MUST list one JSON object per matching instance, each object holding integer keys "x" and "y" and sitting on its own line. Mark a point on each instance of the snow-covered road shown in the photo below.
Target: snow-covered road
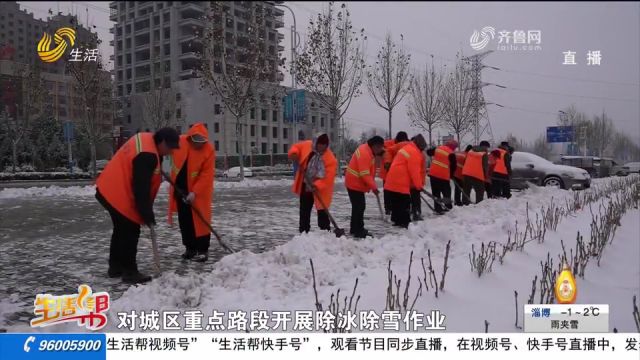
{"x": 54, "y": 242}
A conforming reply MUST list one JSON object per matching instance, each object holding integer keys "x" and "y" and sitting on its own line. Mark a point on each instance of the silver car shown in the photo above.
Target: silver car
{"x": 531, "y": 168}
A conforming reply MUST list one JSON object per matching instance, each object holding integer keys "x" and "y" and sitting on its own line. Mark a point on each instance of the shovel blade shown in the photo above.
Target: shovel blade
{"x": 339, "y": 232}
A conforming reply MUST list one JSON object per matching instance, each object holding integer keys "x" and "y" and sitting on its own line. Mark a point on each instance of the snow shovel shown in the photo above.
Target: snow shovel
{"x": 154, "y": 248}
{"x": 435, "y": 199}
{"x": 427, "y": 202}
{"x": 337, "y": 230}
{"x": 198, "y": 213}
{"x": 380, "y": 208}
{"x": 462, "y": 191}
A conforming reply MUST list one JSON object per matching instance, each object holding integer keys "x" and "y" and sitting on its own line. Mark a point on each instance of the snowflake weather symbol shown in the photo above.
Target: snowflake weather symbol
{"x": 480, "y": 39}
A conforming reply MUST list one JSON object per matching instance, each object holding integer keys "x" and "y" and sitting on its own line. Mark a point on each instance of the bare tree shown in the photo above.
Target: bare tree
{"x": 92, "y": 85}
{"x": 29, "y": 104}
{"x": 600, "y": 134}
{"x": 388, "y": 79}
{"x": 235, "y": 66}
{"x": 332, "y": 61}
{"x": 426, "y": 104}
{"x": 458, "y": 101}
{"x": 159, "y": 108}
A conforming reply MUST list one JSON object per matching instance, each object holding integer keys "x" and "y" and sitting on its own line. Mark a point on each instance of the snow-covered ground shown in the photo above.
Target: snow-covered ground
{"x": 273, "y": 271}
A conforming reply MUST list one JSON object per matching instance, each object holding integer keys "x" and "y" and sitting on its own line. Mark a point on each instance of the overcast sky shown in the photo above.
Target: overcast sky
{"x": 538, "y": 84}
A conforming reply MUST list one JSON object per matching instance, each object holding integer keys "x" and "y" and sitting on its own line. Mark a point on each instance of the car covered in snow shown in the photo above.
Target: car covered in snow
{"x": 634, "y": 167}
{"x": 530, "y": 168}
{"x": 234, "y": 172}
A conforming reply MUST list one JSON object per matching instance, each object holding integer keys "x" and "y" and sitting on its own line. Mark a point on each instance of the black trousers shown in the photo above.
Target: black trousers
{"x": 488, "y": 189}
{"x": 400, "y": 208}
{"x": 501, "y": 186}
{"x": 441, "y": 189}
{"x": 306, "y": 205}
{"x": 124, "y": 239}
{"x": 477, "y": 186}
{"x": 387, "y": 201}
{"x": 416, "y": 202}
{"x": 358, "y": 205}
{"x": 189, "y": 239}
{"x": 458, "y": 195}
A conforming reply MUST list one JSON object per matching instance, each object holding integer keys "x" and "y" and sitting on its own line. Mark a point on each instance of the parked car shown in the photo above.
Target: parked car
{"x": 531, "y": 168}
{"x": 619, "y": 170}
{"x": 235, "y": 172}
{"x": 588, "y": 163}
{"x": 634, "y": 167}
{"x": 100, "y": 164}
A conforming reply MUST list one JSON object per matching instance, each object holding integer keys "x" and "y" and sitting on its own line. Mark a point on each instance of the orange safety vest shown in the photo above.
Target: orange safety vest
{"x": 200, "y": 175}
{"x": 405, "y": 172}
{"x": 460, "y": 158}
{"x": 361, "y": 169}
{"x": 440, "y": 164}
{"x": 501, "y": 167}
{"x": 325, "y": 185}
{"x": 390, "y": 154}
{"x": 115, "y": 183}
{"x": 473, "y": 165}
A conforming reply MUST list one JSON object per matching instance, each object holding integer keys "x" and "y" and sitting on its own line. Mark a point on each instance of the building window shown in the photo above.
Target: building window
{"x": 333, "y": 123}
{"x": 285, "y": 148}
{"x": 321, "y": 122}
{"x": 264, "y": 115}
{"x": 166, "y": 16}
{"x": 275, "y": 148}
{"x": 275, "y": 132}
{"x": 285, "y": 133}
{"x": 178, "y": 113}
{"x": 274, "y": 115}
{"x": 216, "y": 128}
{"x": 264, "y": 148}
{"x": 264, "y": 131}
{"x": 217, "y": 145}
{"x": 313, "y": 120}
{"x": 216, "y": 109}
{"x": 128, "y": 119}
{"x": 177, "y": 96}
{"x": 237, "y": 148}
{"x": 253, "y": 113}
{"x": 253, "y": 130}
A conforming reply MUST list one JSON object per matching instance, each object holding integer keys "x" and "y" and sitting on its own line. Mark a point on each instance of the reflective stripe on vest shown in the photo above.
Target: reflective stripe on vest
{"x": 440, "y": 163}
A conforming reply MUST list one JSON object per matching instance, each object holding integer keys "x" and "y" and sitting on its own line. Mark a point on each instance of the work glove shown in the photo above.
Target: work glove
{"x": 189, "y": 199}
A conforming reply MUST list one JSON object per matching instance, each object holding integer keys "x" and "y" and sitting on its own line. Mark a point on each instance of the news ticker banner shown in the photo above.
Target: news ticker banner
{"x": 552, "y": 318}
{"x": 137, "y": 346}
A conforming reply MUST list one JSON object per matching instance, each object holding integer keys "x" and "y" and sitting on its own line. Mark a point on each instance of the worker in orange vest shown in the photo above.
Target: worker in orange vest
{"x": 126, "y": 188}
{"x": 391, "y": 148}
{"x": 192, "y": 172}
{"x": 404, "y": 175}
{"x": 416, "y": 200}
{"x": 492, "y": 156}
{"x": 359, "y": 179}
{"x": 317, "y": 168}
{"x": 476, "y": 171}
{"x": 502, "y": 171}
{"x": 443, "y": 167}
{"x": 457, "y": 176}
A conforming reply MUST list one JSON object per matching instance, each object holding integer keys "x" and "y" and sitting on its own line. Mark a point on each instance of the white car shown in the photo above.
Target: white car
{"x": 527, "y": 167}
{"x": 634, "y": 167}
{"x": 235, "y": 172}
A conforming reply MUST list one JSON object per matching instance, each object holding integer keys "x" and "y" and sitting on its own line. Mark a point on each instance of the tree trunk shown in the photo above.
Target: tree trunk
{"x": 240, "y": 147}
{"x": 92, "y": 146}
{"x": 14, "y": 154}
{"x": 430, "y": 135}
{"x": 390, "y": 133}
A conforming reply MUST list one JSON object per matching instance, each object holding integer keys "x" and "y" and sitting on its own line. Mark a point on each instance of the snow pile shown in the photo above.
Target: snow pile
{"x": 281, "y": 279}
{"x": 48, "y": 191}
{"x": 89, "y": 190}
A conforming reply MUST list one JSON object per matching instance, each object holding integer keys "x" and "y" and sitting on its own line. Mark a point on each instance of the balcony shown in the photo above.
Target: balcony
{"x": 187, "y": 74}
{"x": 190, "y": 38}
{"x": 113, "y": 14}
{"x": 280, "y": 36}
{"x": 280, "y": 48}
{"x": 191, "y": 56}
{"x": 191, "y": 10}
{"x": 111, "y": 43}
{"x": 190, "y": 23}
{"x": 279, "y": 23}
{"x": 112, "y": 30}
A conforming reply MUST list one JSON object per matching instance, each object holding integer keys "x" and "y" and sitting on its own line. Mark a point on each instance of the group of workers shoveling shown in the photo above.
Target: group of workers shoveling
{"x": 128, "y": 185}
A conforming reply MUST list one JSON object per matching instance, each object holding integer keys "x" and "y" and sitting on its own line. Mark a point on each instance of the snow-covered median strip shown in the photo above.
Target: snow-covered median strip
{"x": 89, "y": 190}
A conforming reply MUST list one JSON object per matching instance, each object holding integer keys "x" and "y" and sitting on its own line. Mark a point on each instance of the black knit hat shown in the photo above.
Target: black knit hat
{"x": 323, "y": 139}
{"x": 169, "y": 135}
